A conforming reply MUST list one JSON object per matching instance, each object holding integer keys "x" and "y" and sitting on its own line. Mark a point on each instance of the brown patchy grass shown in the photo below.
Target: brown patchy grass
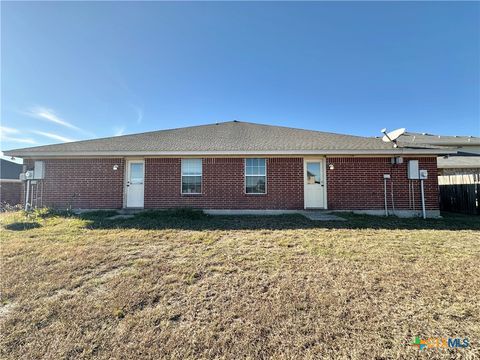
{"x": 180, "y": 285}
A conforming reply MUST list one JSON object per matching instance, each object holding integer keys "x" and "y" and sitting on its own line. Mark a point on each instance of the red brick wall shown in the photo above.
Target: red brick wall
{"x": 83, "y": 183}
{"x": 357, "y": 183}
{"x": 10, "y": 192}
{"x": 354, "y": 184}
{"x": 223, "y": 185}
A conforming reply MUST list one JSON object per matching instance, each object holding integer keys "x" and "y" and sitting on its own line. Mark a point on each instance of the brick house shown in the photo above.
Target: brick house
{"x": 233, "y": 166}
{"x": 10, "y": 185}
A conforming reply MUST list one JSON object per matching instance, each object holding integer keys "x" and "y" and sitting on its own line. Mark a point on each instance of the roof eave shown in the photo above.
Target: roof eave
{"x": 459, "y": 166}
{"x": 393, "y": 151}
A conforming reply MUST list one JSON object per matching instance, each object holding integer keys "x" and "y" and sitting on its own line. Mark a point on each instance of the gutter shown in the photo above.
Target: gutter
{"x": 397, "y": 151}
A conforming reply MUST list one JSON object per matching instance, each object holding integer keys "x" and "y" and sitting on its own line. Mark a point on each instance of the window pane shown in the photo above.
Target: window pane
{"x": 136, "y": 173}
{"x": 251, "y": 170}
{"x": 255, "y": 167}
{"x": 191, "y": 184}
{"x": 255, "y": 185}
{"x": 313, "y": 173}
{"x": 261, "y": 166}
{"x": 192, "y": 167}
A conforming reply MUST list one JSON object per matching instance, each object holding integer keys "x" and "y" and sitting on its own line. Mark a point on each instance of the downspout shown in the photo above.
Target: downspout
{"x": 423, "y": 200}
{"x": 385, "y": 177}
{"x": 27, "y": 196}
{"x": 393, "y": 202}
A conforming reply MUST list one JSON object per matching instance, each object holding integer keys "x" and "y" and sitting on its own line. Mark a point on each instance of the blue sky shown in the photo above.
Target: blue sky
{"x": 74, "y": 71}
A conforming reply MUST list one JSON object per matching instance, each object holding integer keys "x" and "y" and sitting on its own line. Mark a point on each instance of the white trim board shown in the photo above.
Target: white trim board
{"x": 397, "y": 151}
{"x": 10, "y": 181}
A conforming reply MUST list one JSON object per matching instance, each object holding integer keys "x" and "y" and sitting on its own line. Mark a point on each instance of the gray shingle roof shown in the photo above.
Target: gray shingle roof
{"x": 411, "y": 138}
{"x": 228, "y": 137}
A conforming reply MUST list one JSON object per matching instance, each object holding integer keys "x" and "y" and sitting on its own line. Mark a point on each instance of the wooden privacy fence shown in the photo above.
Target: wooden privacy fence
{"x": 460, "y": 196}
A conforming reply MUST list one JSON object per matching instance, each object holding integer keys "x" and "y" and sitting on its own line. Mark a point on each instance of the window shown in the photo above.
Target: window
{"x": 255, "y": 176}
{"x": 191, "y": 176}
{"x": 313, "y": 173}
{"x": 136, "y": 173}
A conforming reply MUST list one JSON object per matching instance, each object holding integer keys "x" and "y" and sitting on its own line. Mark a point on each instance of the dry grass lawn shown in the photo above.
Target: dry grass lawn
{"x": 181, "y": 285}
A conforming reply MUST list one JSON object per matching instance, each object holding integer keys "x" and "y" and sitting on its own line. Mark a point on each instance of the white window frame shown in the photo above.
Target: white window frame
{"x": 181, "y": 177}
{"x": 245, "y": 176}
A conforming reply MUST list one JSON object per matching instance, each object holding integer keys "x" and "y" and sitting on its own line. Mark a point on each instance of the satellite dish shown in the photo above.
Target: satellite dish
{"x": 392, "y": 136}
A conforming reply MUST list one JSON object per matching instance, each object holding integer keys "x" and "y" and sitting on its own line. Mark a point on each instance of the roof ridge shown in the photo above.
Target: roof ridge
{"x": 296, "y": 128}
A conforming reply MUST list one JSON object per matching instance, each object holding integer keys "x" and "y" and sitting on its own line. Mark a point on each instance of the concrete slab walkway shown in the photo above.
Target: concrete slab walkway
{"x": 121, "y": 216}
{"x": 319, "y": 215}
{"x": 315, "y": 215}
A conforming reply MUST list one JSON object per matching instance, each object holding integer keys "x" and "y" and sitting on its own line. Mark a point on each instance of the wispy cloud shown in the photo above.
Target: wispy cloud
{"x": 17, "y": 140}
{"x": 139, "y": 112}
{"x": 5, "y": 136}
{"x": 119, "y": 131}
{"x": 53, "y": 136}
{"x": 120, "y": 82}
{"x": 50, "y": 115}
{"x": 8, "y": 130}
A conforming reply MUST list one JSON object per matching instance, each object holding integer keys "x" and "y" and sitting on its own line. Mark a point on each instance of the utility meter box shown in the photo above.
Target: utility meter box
{"x": 413, "y": 170}
{"x": 29, "y": 175}
{"x": 423, "y": 174}
{"x": 39, "y": 170}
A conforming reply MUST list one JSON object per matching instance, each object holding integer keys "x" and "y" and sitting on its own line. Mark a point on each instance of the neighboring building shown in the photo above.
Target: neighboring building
{"x": 458, "y": 173}
{"x": 463, "y": 144}
{"x": 10, "y": 184}
{"x": 234, "y": 166}
{"x": 462, "y": 166}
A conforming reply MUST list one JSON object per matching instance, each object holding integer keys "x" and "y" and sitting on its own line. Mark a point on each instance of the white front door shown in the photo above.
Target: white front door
{"x": 134, "y": 184}
{"x": 314, "y": 184}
